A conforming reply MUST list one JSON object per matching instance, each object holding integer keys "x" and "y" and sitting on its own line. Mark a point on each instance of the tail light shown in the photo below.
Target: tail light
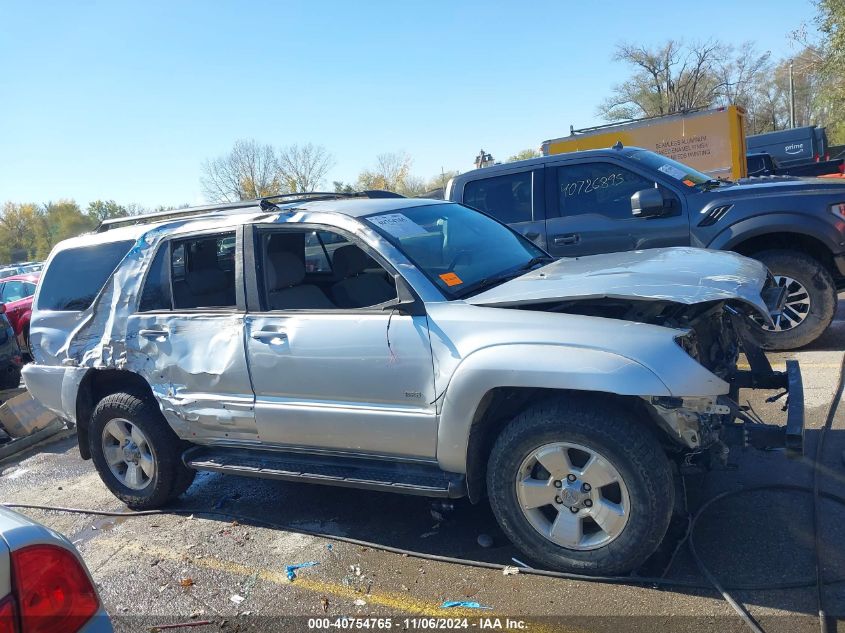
{"x": 816, "y": 157}
{"x": 53, "y": 591}
{"x": 8, "y": 616}
{"x": 842, "y": 167}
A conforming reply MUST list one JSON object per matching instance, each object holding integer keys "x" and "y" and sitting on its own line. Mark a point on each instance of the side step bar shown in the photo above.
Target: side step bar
{"x": 353, "y": 472}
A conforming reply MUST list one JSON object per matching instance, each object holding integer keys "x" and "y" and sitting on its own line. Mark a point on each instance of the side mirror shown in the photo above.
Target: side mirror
{"x": 406, "y": 301}
{"x": 648, "y": 203}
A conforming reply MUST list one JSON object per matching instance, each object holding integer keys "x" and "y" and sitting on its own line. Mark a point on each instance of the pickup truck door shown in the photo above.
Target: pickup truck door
{"x": 516, "y": 198}
{"x": 588, "y": 206}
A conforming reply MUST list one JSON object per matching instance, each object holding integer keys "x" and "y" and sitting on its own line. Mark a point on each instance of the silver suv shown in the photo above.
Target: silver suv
{"x": 413, "y": 346}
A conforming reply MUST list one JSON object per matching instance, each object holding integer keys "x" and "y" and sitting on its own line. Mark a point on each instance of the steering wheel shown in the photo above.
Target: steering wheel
{"x": 464, "y": 254}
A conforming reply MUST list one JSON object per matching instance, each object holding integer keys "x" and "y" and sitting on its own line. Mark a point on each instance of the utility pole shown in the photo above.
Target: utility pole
{"x": 791, "y": 97}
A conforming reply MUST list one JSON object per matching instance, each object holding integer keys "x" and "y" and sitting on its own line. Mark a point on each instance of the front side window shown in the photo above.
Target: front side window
{"x": 319, "y": 270}
{"x": 76, "y": 275}
{"x": 460, "y": 250}
{"x": 507, "y": 198}
{"x": 598, "y": 188}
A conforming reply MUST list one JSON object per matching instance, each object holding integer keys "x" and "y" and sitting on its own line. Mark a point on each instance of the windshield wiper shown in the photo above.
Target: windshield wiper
{"x": 494, "y": 280}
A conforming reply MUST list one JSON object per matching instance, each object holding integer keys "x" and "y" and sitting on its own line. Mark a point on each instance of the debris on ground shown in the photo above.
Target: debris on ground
{"x": 325, "y": 604}
{"x": 485, "y": 540}
{"x": 360, "y": 603}
{"x": 290, "y": 570}
{"x": 187, "y": 582}
{"x": 510, "y": 570}
{"x": 464, "y": 604}
{"x": 237, "y": 599}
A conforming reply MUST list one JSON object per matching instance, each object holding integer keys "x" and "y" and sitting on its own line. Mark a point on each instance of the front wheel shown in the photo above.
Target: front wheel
{"x": 810, "y": 303}
{"x": 578, "y": 485}
{"x": 136, "y": 453}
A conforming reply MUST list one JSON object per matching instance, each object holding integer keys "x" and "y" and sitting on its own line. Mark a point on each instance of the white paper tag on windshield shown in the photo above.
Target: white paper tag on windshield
{"x": 398, "y": 225}
{"x": 671, "y": 170}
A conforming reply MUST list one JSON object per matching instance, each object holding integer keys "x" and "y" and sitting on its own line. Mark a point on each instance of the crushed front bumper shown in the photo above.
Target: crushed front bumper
{"x": 751, "y": 431}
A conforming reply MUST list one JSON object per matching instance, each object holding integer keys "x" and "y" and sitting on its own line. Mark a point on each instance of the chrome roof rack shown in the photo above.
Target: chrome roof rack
{"x": 268, "y": 203}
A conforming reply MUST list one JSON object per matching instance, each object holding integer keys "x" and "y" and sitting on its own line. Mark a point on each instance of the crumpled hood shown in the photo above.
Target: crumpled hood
{"x": 681, "y": 275}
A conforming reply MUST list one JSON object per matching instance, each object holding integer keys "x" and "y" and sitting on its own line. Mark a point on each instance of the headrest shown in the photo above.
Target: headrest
{"x": 203, "y": 255}
{"x": 284, "y": 270}
{"x": 350, "y": 260}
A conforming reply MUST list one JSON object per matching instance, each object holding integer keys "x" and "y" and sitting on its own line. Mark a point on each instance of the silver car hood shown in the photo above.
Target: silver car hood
{"x": 680, "y": 275}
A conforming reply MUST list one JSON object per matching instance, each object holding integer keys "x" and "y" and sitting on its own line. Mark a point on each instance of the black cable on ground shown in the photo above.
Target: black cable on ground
{"x": 626, "y": 580}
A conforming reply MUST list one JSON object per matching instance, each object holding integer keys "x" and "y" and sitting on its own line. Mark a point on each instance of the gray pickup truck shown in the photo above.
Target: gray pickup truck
{"x": 622, "y": 199}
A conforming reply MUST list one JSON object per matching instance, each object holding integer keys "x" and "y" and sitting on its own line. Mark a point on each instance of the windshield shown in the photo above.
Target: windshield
{"x": 461, "y": 250}
{"x": 672, "y": 168}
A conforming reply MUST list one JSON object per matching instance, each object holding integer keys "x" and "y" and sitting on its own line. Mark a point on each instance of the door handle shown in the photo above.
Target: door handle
{"x": 267, "y": 336}
{"x": 569, "y": 238}
{"x": 153, "y": 333}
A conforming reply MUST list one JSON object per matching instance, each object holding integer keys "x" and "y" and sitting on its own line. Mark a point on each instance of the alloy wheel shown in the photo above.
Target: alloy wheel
{"x": 128, "y": 453}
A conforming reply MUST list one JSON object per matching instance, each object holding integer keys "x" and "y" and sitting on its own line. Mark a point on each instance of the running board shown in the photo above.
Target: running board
{"x": 353, "y": 472}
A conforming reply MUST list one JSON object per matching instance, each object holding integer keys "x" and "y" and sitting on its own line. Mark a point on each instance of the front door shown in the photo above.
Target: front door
{"x": 187, "y": 339}
{"x": 331, "y": 368}
{"x": 590, "y": 211}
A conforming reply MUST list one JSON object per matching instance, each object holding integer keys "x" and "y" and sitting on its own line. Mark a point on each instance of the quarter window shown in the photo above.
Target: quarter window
{"x": 76, "y": 275}
{"x": 14, "y": 291}
{"x": 156, "y": 293}
{"x": 598, "y": 188}
{"x": 507, "y": 198}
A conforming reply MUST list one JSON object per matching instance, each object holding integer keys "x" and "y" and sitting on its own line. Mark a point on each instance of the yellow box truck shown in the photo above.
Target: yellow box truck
{"x": 712, "y": 141}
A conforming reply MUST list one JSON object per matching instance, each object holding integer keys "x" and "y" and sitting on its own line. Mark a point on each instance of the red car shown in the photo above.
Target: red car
{"x": 16, "y": 293}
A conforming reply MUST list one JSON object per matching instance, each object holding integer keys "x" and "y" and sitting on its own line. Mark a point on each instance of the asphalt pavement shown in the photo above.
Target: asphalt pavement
{"x": 194, "y": 567}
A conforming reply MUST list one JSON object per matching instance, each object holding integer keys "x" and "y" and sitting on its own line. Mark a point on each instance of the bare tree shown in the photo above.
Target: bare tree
{"x": 304, "y": 167}
{"x": 250, "y": 170}
{"x": 675, "y": 77}
{"x": 391, "y": 173}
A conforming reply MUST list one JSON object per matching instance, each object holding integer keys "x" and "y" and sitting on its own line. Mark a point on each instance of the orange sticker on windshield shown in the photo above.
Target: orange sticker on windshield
{"x": 688, "y": 182}
{"x": 451, "y": 279}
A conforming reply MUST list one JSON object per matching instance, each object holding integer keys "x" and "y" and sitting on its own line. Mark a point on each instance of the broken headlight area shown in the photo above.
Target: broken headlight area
{"x": 707, "y": 428}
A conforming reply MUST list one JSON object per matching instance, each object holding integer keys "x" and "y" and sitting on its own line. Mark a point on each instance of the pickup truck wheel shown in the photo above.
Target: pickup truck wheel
{"x": 578, "y": 485}
{"x": 810, "y": 305}
{"x": 136, "y": 453}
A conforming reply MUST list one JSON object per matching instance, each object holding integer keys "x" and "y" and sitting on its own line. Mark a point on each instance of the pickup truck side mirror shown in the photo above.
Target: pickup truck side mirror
{"x": 648, "y": 203}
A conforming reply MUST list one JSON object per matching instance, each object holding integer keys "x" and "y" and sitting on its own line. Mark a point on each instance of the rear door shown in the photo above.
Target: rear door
{"x": 187, "y": 337}
{"x": 516, "y": 198}
{"x": 589, "y": 210}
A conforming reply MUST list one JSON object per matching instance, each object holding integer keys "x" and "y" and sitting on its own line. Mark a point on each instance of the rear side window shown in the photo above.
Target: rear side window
{"x": 506, "y": 198}
{"x": 76, "y": 275}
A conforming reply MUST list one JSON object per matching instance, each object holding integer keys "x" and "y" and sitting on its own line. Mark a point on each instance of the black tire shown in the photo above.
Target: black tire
{"x": 171, "y": 476}
{"x": 811, "y": 274}
{"x": 611, "y": 431}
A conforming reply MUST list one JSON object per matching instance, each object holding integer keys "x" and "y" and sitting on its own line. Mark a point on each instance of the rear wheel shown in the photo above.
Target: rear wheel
{"x": 810, "y": 303}
{"x": 136, "y": 453}
{"x": 578, "y": 485}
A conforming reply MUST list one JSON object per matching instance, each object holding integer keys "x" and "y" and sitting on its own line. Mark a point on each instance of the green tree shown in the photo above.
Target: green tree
{"x": 63, "y": 219}
{"x": 101, "y": 210}
{"x": 524, "y": 155}
{"x": 22, "y": 231}
{"x": 831, "y": 64}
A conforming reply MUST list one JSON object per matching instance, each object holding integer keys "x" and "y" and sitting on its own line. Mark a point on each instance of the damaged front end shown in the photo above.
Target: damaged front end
{"x": 708, "y": 427}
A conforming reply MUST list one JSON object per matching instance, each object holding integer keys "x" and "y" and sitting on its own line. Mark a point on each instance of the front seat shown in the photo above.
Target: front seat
{"x": 358, "y": 289}
{"x": 285, "y": 272}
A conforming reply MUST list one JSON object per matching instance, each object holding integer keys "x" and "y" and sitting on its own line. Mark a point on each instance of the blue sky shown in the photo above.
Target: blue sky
{"x": 126, "y": 100}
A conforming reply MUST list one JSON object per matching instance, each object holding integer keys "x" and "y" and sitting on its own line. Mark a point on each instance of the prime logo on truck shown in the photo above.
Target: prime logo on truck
{"x": 712, "y": 141}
